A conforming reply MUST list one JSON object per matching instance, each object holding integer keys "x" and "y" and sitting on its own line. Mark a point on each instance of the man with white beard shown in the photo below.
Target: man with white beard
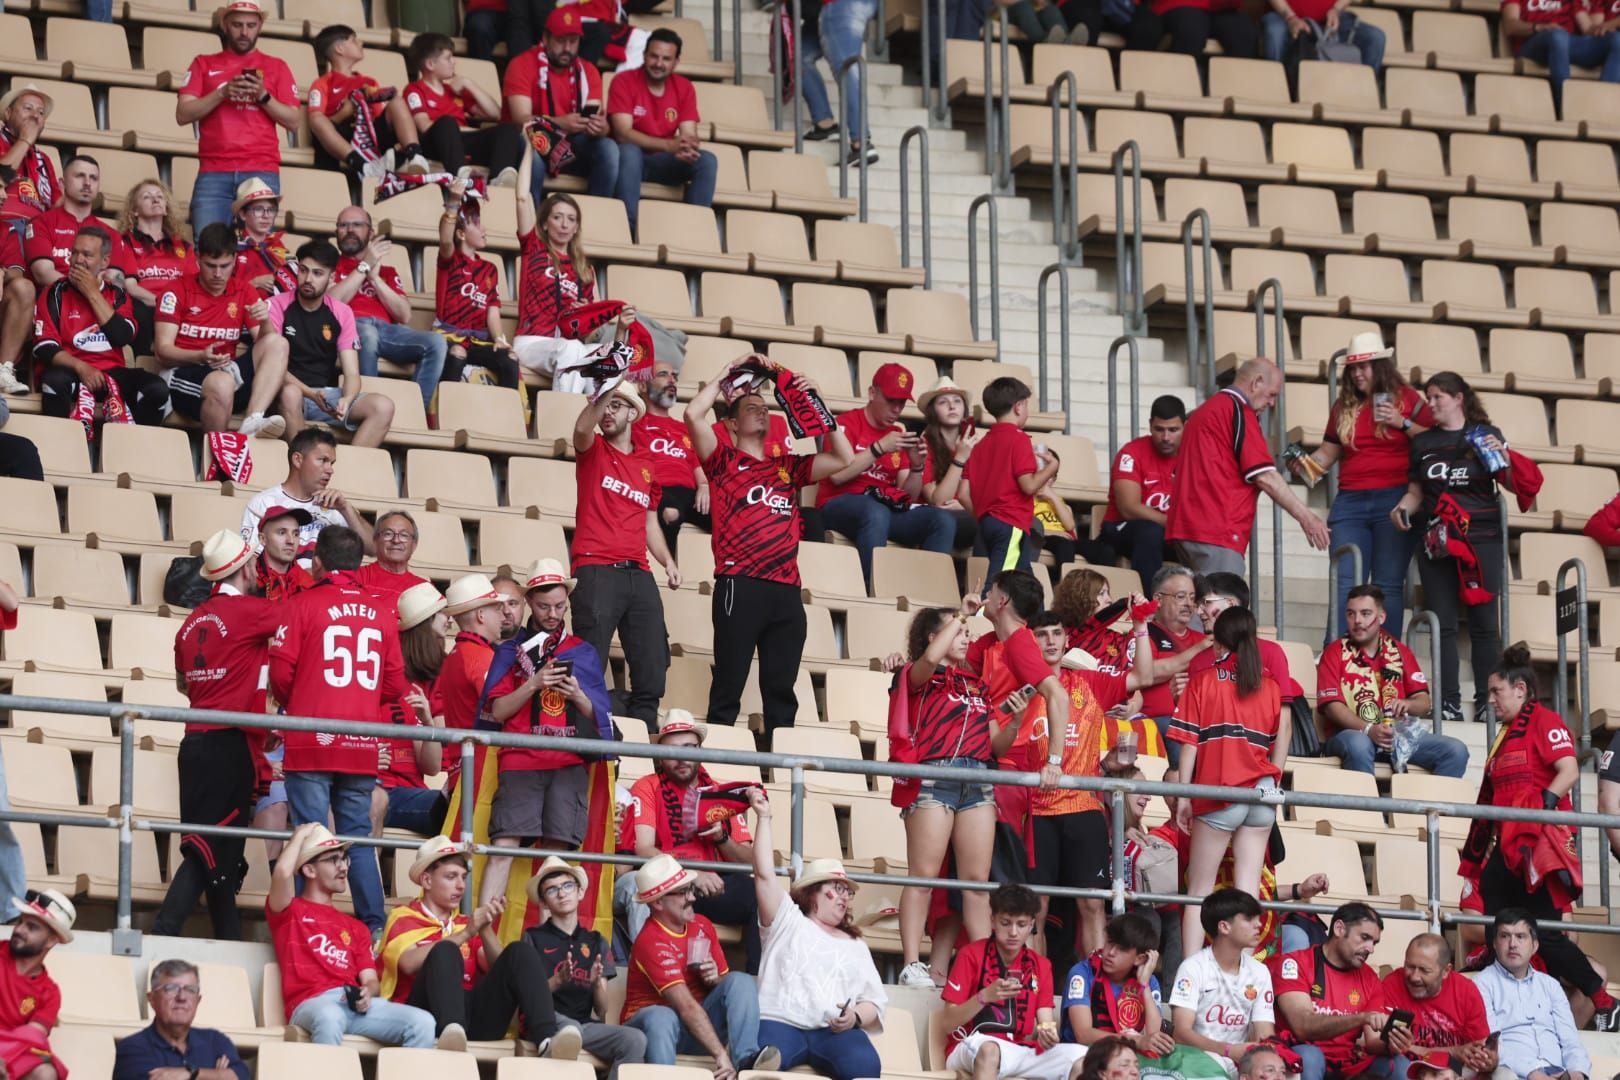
{"x": 685, "y": 489}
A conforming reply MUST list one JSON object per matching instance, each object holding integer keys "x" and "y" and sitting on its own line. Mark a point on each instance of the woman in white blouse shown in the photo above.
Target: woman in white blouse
{"x": 818, "y": 986}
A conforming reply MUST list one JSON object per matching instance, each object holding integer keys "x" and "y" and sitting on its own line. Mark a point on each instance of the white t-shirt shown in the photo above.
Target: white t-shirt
{"x": 1224, "y": 1005}
{"x": 806, "y": 974}
{"x": 277, "y": 496}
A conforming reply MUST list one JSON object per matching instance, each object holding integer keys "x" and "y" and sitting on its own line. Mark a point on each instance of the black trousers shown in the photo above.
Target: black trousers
{"x": 683, "y": 500}
{"x": 736, "y": 905}
{"x": 768, "y": 616}
{"x": 485, "y": 355}
{"x": 1191, "y": 28}
{"x": 1143, "y": 32}
{"x": 216, "y": 788}
{"x": 496, "y": 148}
{"x": 19, "y": 457}
{"x": 624, "y": 600}
{"x": 515, "y": 983}
{"x": 1500, "y": 887}
{"x": 1142, "y": 542}
{"x": 143, "y": 327}
{"x": 1442, "y": 594}
{"x": 144, "y": 393}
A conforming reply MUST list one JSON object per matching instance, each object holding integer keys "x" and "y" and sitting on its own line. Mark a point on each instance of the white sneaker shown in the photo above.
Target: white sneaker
{"x": 453, "y": 1037}
{"x": 265, "y": 427}
{"x": 415, "y": 165}
{"x": 507, "y": 177}
{"x": 566, "y": 1044}
{"x": 916, "y": 976}
{"x": 374, "y": 169}
{"x": 9, "y": 383}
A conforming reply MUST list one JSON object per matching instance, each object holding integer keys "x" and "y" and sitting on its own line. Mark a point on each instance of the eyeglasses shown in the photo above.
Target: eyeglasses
{"x": 842, "y": 888}
{"x": 395, "y": 534}
{"x": 1179, "y": 597}
{"x": 689, "y": 890}
{"x": 260, "y": 208}
{"x": 178, "y": 990}
{"x": 562, "y": 888}
{"x": 340, "y": 858}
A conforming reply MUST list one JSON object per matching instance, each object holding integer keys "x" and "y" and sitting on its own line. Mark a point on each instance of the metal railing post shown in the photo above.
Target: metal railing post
{"x": 736, "y": 43}
{"x": 1128, "y": 342}
{"x": 126, "y": 939}
{"x": 1117, "y": 855}
{"x": 1134, "y": 316}
{"x": 858, "y": 62}
{"x": 1431, "y": 849}
{"x": 1062, "y": 273}
{"x": 1333, "y": 396}
{"x": 1583, "y": 681}
{"x": 796, "y": 832}
{"x": 469, "y": 750}
{"x": 1436, "y": 681}
{"x": 719, "y": 49}
{"x": 1200, "y": 344}
{"x": 1279, "y": 420}
{"x": 919, "y": 133}
{"x": 1065, "y": 95}
{"x": 998, "y": 109}
{"x": 1335, "y": 601}
{"x": 988, "y": 199}
{"x": 878, "y": 33}
{"x": 778, "y": 73}
{"x": 933, "y": 49}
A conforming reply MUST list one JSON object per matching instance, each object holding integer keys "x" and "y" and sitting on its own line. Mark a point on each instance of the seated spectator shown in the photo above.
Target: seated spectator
{"x": 654, "y": 115}
{"x": 277, "y": 571}
{"x": 1004, "y": 474}
{"x": 19, "y": 457}
{"x": 1135, "y": 20}
{"x": 396, "y": 537}
{"x": 1332, "y": 1002}
{"x": 1191, "y": 23}
{"x": 1216, "y": 593}
{"x": 170, "y": 1044}
{"x": 454, "y": 966}
{"x": 444, "y": 108}
{"x": 1557, "y": 34}
{"x": 662, "y": 436}
{"x": 998, "y": 1001}
{"x": 681, "y": 994}
{"x": 328, "y": 977}
{"x": 30, "y": 1000}
{"x": 1261, "y": 1062}
{"x": 382, "y": 312}
{"x": 150, "y": 229}
{"x": 406, "y": 800}
{"x": 1175, "y": 644}
{"x": 262, "y": 257}
{"x": 81, "y": 325}
{"x": 1113, "y": 993}
{"x": 17, "y": 295}
{"x": 949, "y": 436}
{"x": 550, "y": 82}
{"x": 577, "y": 965}
{"x": 1234, "y": 734}
{"x": 323, "y": 366}
{"x": 48, "y": 243}
{"x": 1282, "y": 27}
{"x": 1222, "y": 1001}
{"x": 334, "y": 113}
{"x": 873, "y": 504}
{"x": 1085, "y": 606}
{"x": 311, "y": 457}
{"x": 1538, "y": 1040}
{"x": 1111, "y": 1058}
{"x": 467, "y": 296}
{"x": 1369, "y": 682}
{"x": 657, "y": 828}
{"x": 484, "y": 23}
{"x": 1139, "y": 485}
{"x": 818, "y": 986}
{"x": 1448, "y": 1012}
{"x": 213, "y": 343}
{"x": 1037, "y": 21}
{"x": 1054, "y": 529}
{"x": 32, "y": 187}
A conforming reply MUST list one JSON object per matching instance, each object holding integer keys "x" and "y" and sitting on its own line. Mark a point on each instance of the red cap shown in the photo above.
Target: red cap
{"x": 1433, "y": 1061}
{"x": 894, "y": 381}
{"x": 564, "y": 22}
{"x": 303, "y": 517}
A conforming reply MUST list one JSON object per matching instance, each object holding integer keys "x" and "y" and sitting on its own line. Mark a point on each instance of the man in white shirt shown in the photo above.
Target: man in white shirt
{"x": 1539, "y": 1039}
{"x": 1222, "y": 999}
{"x": 311, "y": 457}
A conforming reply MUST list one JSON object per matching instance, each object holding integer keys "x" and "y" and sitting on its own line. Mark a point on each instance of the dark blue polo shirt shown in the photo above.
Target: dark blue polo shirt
{"x": 140, "y": 1053}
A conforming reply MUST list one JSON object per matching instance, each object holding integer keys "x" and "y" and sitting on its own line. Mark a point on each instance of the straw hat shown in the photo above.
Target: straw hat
{"x": 252, "y": 189}
{"x": 432, "y": 851}
{"x": 419, "y": 603}
{"x": 659, "y": 875}
{"x": 51, "y": 908}
{"x": 223, "y": 554}
{"x": 547, "y": 574}
{"x": 943, "y": 385}
{"x": 18, "y": 90}
{"x": 319, "y": 841}
{"x": 469, "y": 592}
{"x": 629, "y": 392}
{"x": 242, "y": 7}
{"x": 817, "y": 871}
{"x": 1366, "y": 346}
{"x": 677, "y": 721}
{"x": 552, "y": 867}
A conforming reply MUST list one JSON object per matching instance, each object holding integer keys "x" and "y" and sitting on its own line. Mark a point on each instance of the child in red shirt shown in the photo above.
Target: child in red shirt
{"x": 1003, "y": 474}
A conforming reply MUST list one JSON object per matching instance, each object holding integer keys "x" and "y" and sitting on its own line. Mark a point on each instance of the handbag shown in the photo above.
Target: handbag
{"x": 1304, "y": 740}
{"x": 1338, "y": 48}
{"x": 1157, "y": 867}
{"x": 183, "y": 585}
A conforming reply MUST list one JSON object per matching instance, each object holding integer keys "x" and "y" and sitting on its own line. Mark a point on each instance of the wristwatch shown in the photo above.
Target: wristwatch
{"x": 1054, "y": 759}
{"x": 264, "y": 97}
{"x": 1406, "y": 423}
{"x": 364, "y": 267}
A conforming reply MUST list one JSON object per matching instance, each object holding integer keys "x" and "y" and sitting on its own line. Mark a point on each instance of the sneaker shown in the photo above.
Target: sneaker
{"x": 765, "y": 1059}
{"x": 453, "y": 1037}
{"x": 507, "y": 177}
{"x": 374, "y": 169}
{"x": 859, "y": 156}
{"x": 9, "y": 383}
{"x": 1452, "y": 714}
{"x": 1057, "y": 35}
{"x": 566, "y": 1044}
{"x": 1607, "y": 1019}
{"x": 916, "y": 976}
{"x": 1080, "y": 35}
{"x": 525, "y": 1048}
{"x": 261, "y": 426}
{"x": 820, "y": 134}
{"x": 415, "y": 165}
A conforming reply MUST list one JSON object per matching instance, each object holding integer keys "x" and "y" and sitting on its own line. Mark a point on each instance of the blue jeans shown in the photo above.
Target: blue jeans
{"x": 636, "y": 165}
{"x": 869, "y": 524}
{"x": 596, "y": 157}
{"x": 1312, "y": 1066}
{"x": 484, "y": 29}
{"x": 1440, "y": 754}
{"x": 1362, "y": 518}
{"x": 1364, "y": 36}
{"x": 842, "y": 1055}
{"x": 1557, "y": 49}
{"x": 815, "y": 91}
{"x": 327, "y": 1017}
{"x": 99, "y": 10}
{"x": 213, "y": 193}
{"x": 415, "y": 809}
{"x": 403, "y": 345}
{"x": 13, "y": 875}
{"x": 1293, "y": 939}
{"x": 1140, "y": 541}
{"x": 843, "y": 32}
{"x": 732, "y": 1007}
{"x": 310, "y": 796}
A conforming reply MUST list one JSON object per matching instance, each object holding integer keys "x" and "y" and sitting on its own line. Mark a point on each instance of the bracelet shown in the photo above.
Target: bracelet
{"x": 264, "y": 97}
{"x": 1294, "y": 891}
{"x": 959, "y": 464}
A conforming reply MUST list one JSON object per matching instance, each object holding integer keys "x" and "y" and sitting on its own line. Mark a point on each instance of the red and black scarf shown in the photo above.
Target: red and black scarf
{"x": 1447, "y": 538}
{"x": 36, "y": 183}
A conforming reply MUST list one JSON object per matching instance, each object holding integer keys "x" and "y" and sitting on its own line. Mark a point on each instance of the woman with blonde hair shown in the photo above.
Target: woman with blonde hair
{"x": 151, "y": 228}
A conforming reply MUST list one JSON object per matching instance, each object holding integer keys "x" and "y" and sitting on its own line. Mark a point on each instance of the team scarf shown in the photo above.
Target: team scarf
{"x": 272, "y": 252}
{"x": 229, "y": 457}
{"x": 1116, "y": 1008}
{"x": 603, "y": 366}
{"x": 1370, "y": 685}
{"x": 364, "y": 140}
{"x": 807, "y": 415}
{"x": 393, "y": 183}
{"x": 596, "y": 908}
{"x": 36, "y": 186}
{"x": 408, "y": 926}
{"x": 581, "y": 320}
{"x": 550, "y": 143}
{"x": 1519, "y": 848}
{"x": 113, "y": 409}
{"x": 1447, "y": 538}
{"x": 274, "y": 585}
{"x": 25, "y": 1048}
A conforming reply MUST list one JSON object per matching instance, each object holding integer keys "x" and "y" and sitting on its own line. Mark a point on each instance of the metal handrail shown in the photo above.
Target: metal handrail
{"x": 1279, "y": 419}
{"x": 989, "y": 200}
{"x": 919, "y": 133}
{"x": 1136, "y": 315}
{"x": 934, "y": 92}
{"x": 736, "y": 41}
{"x": 858, "y": 62}
{"x": 1065, "y": 98}
{"x": 1062, "y": 273}
{"x": 998, "y": 115}
{"x": 877, "y": 33}
{"x": 1333, "y": 396}
{"x": 1436, "y": 680}
{"x": 1582, "y": 676}
{"x": 1129, "y": 343}
{"x": 1199, "y": 345}
{"x": 1335, "y": 601}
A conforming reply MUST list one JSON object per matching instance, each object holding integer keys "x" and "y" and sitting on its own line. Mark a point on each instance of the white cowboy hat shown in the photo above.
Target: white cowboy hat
{"x": 51, "y": 908}
{"x": 547, "y": 574}
{"x": 659, "y": 875}
{"x": 817, "y": 871}
{"x": 1366, "y": 346}
{"x": 430, "y": 852}
{"x": 419, "y": 603}
{"x": 223, "y": 554}
{"x": 677, "y": 721}
{"x": 252, "y": 190}
{"x": 629, "y": 392}
{"x": 469, "y": 592}
{"x": 943, "y": 385}
{"x": 552, "y": 867}
{"x": 319, "y": 841}
{"x": 19, "y": 89}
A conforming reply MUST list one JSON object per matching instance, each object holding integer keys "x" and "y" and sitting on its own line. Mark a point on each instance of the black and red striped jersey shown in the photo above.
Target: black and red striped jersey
{"x": 754, "y": 503}
{"x": 466, "y": 288}
{"x": 548, "y": 286}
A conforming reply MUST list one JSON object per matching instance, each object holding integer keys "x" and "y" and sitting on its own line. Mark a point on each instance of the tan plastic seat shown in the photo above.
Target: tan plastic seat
{"x": 867, "y": 252}
{"x": 843, "y": 317}
{"x": 115, "y": 519}
{"x": 1523, "y": 420}
{"x": 85, "y": 578}
{"x": 442, "y": 551}
{"x": 1396, "y": 52}
{"x": 1601, "y": 355}
{"x": 488, "y": 419}
{"x": 1319, "y": 154}
{"x": 506, "y": 540}
{"x": 155, "y": 458}
{"x": 1591, "y": 429}
{"x": 31, "y": 512}
{"x": 39, "y": 776}
{"x": 1397, "y": 223}
{"x": 738, "y": 114}
{"x": 143, "y": 642}
{"x": 1469, "y": 293}
{"x": 1225, "y": 202}
{"x": 1167, "y": 81}
{"x": 453, "y": 480}
{"x": 17, "y": 56}
{"x": 606, "y": 232}
{"x": 1356, "y": 825}
{"x": 1409, "y": 160}
{"x": 1029, "y": 130}
{"x": 366, "y": 476}
{"x": 296, "y": 1061}
{"x": 73, "y": 119}
{"x": 1520, "y": 106}
{"x": 935, "y": 323}
{"x": 1581, "y": 234}
{"x": 98, "y": 990}
{"x": 1154, "y": 132}
{"x": 1560, "y": 299}
{"x": 920, "y": 578}
{"x": 1093, "y": 70}
{"x": 1252, "y": 267}
{"x": 750, "y": 307}
{"x": 1496, "y": 165}
{"x": 851, "y": 699}
{"x": 1458, "y": 42}
{"x": 121, "y": 170}
{"x": 964, "y": 60}
{"x": 93, "y": 52}
{"x": 775, "y": 245}
{"x": 61, "y": 444}
{"x": 84, "y": 1051}
{"x": 875, "y": 634}
{"x": 1343, "y": 93}
{"x": 546, "y": 485}
{"x": 796, "y": 740}
{"x": 512, "y": 1068}
{"x": 91, "y": 855}
{"x": 195, "y": 516}
{"x": 404, "y": 1063}
{"x": 1254, "y": 88}
{"x": 1539, "y": 362}
{"x": 1231, "y": 149}
{"x": 77, "y": 733}
{"x": 1493, "y": 230}
{"x": 167, "y": 52}
{"x": 1164, "y": 278}
{"x": 1541, "y": 554}
{"x": 1432, "y": 100}
{"x": 662, "y": 294}
{"x": 144, "y": 120}
{"x": 1374, "y": 287}
{"x": 686, "y": 236}
{"x": 1593, "y": 105}
{"x": 1306, "y": 217}
{"x": 876, "y": 838}
{"x": 832, "y": 577}
{"x": 1570, "y": 493}
{"x": 1433, "y": 347}
{"x": 313, "y": 198}
{"x": 1582, "y": 170}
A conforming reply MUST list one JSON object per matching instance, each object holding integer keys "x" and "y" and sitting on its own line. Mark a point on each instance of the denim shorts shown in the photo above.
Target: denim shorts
{"x": 953, "y": 795}
{"x": 313, "y": 413}
{"x": 1235, "y": 816}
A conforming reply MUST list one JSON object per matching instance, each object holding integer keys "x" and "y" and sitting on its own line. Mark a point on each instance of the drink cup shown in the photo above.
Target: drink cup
{"x": 1125, "y": 751}
{"x": 697, "y": 951}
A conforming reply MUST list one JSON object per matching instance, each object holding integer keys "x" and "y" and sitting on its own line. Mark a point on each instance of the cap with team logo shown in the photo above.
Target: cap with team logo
{"x": 894, "y": 381}
{"x": 564, "y": 22}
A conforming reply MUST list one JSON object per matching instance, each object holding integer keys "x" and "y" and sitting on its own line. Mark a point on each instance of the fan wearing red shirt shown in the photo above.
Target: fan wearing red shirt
{"x": 237, "y": 97}
{"x": 158, "y": 252}
{"x": 1216, "y": 593}
{"x": 1447, "y": 1009}
{"x": 467, "y": 295}
{"x": 334, "y": 116}
{"x": 396, "y": 538}
{"x": 1225, "y": 464}
{"x": 1331, "y": 1004}
{"x": 655, "y": 117}
{"x": 1003, "y": 475}
{"x": 336, "y": 655}
{"x": 329, "y": 983}
{"x": 30, "y": 1000}
{"x": 48, "y": 241}
{"x": 382, "y": 311}
{"x": 874, "y": 504}
{"x": 1175, "y": 644}
{"x": 615, "y": 526}
{"x": 402, "y": 799}
{"x": 31, "y": 187}
{"x": 683, "y": 486}
{"x": 1558, "y": 34}
{"x": 551, "y": 82}
{"x": 445, "y": 111}
{"x": 17, "y": 298}
{"x": 1139, "y": 485}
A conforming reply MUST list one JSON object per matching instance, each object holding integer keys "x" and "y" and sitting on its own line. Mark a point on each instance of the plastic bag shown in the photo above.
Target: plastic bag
{"x": 1409, "y": 731}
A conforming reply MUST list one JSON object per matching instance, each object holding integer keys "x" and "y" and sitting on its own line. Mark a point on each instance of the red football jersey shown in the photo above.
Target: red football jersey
{"x": 35, "y": 188}
{"x": 329, "y": 91}
{"x": 64, "y": 321}
{"x": 318, "y": 947}
{"x": 404, "y": 932}
{"x": 551, "y": 92}
{"x": 1160, "y": 700}
{"x": 159, "y": 265}
{"x": 1222, "y": 452}
{"x": 1333, "y": 992}
{"x": 365, "y": 303}
{"x": 461, "y": 681}
{"x": 204, "y": 319}
{"x": 666, "y": 440}
{"x": 374, "y": 578}
{"x": 422, "y": 98}
{"x": 658, "y": 962}
{"x": 26, "y": 999}
{"x": 466, "y": 288}
{"x": 615, "y": 492}
{"x": 1233, "y": 734}
{"x": 1454, "y": 1016}
{"x": 884, "y": 472}
{"x": 239, "y": 136}
{"x": 222, "y": 650}
{"x": 11, "y": 252}
{"x": 50, "y": 236}
{"x": 269, "y": 258}
{"x": 754, "y": 504}
{"x": 778, "y": 436}
{"x": 336, "y": 655}
{"x": 548, "y": 287}
{"x": 1002, "y": 456}
{"x": 1137, "y": 460}
{"x": 656, "y": 115}
{"x": 402, "y": 770}
{"x": 1374, "y": 459}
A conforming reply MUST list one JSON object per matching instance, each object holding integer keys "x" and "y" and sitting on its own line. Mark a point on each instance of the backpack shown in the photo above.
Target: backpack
{"x": 183, "y": 585}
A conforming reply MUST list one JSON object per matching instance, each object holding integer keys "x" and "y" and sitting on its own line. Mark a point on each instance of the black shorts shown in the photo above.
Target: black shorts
{"x": 1609, "y": 762}
{"x": 185, "y": 387}
{"x": 1071, "y": 850}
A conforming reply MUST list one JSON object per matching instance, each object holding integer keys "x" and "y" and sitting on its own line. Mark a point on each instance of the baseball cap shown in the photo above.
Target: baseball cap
{"x": 1432, "y": 1062}
{"x": 564, "y": 22}
{"x": 893, "y": 381}
{"x": 303, "y": 517}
